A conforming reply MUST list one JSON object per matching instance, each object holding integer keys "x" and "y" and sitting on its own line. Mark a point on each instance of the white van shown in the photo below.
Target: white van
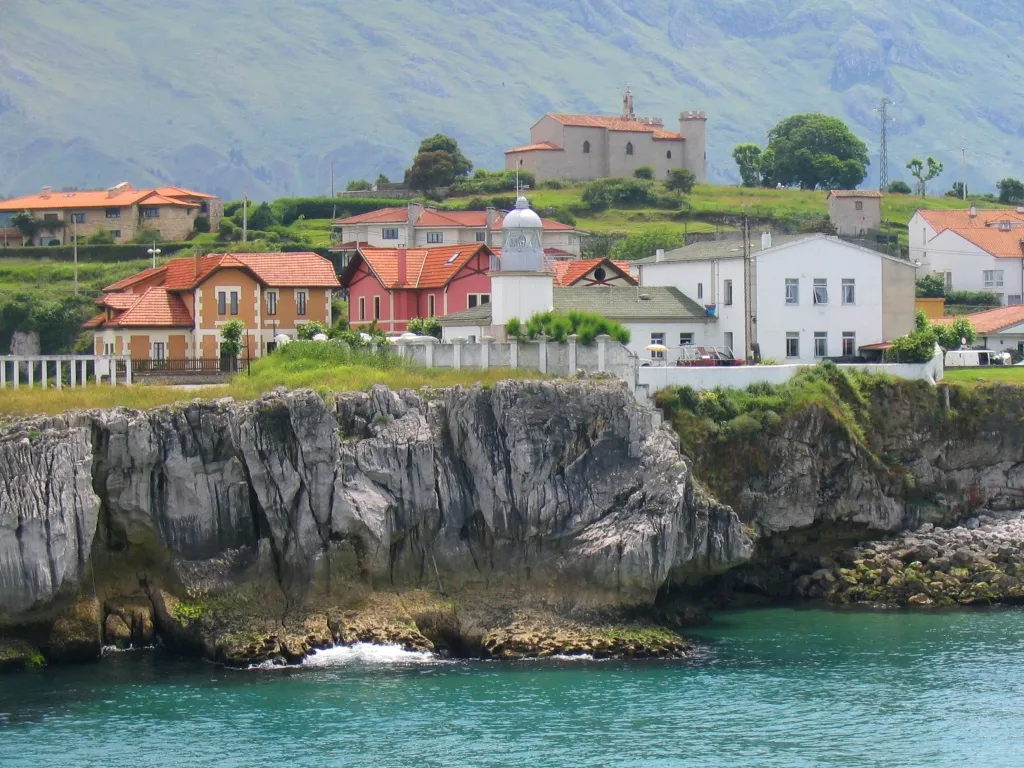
{"x": 975, "y": 358}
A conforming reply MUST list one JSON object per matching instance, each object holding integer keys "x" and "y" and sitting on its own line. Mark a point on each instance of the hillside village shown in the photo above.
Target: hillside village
{"x": 598, "y": 214}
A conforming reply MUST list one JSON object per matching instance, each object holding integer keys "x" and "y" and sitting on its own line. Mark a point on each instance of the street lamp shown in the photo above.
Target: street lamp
{"x": 154, "y": 252}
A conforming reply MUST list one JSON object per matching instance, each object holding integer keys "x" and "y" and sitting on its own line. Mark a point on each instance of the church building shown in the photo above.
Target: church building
{"x": 588, "y": 147}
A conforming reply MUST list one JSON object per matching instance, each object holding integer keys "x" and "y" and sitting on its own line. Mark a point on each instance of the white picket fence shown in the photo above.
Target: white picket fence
{"x": 48, "y": 370}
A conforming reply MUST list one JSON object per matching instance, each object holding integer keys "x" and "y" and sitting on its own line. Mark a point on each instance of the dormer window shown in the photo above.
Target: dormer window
{"x": 629, "y": 148}
{"x": 1004, "y": 226}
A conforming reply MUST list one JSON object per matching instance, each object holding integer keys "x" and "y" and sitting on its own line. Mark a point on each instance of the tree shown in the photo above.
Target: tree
{"x": 202, "y": 224}
{"x": 231, "y": 338}
{"x": 438, "y": 163}
{"x": 924, "y": 172}
{"x": 1011, "y": 191}
{"x": 931, "y": 287}
{"x": 147, "y": 235}
{"x": 27, "y": 224}
{"x": 644, "y": 172}
{"x": 954, "y": 335}
{"x": 956, "y": 191}
{"x": 358, "y": 185}
{"x": 680, "y": 180}
{"x": 307, "y": 331}
{"x": 899, "y": 188}
{"x": 382, "y": 179}
{"x": 748, "y": 157}
{"x": 642, "y": 245}
{"x": 261, "y": 218}
{"x": 426, "y": 326}
{"x": 816, "y": 151}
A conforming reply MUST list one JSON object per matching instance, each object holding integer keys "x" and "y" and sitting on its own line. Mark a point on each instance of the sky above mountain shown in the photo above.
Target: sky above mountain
{"x": 262, "y": 95}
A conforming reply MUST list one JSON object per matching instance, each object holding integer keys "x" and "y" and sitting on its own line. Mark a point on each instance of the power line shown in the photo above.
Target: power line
{"x": 883, "y": 159}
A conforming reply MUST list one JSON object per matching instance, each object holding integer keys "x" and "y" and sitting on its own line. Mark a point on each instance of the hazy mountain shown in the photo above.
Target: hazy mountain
{"x": 263, "y": 94}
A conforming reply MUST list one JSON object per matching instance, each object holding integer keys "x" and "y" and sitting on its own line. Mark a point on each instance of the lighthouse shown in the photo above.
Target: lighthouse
{"x": 521, "y": 286}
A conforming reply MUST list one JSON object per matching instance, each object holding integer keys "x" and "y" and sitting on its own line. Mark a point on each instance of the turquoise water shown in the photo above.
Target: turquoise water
{"x": 777, "y": 687}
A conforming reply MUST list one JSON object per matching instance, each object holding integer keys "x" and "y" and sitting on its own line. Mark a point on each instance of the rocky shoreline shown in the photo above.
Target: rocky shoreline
{"x": 979, "y": 563}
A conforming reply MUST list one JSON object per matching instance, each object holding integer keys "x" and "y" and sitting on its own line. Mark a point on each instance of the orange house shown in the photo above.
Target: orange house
{"x": 175, "y": 311}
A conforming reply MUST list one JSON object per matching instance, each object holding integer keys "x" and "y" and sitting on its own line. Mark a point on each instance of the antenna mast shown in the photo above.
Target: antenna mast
{"x": 883, "y": 159}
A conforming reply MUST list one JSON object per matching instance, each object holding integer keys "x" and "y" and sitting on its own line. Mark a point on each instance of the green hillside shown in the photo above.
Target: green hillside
{"x": 263, "y": 95}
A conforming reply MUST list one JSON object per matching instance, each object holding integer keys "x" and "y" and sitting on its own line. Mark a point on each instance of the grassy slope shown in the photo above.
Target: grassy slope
{"x": 1008, "y": 375}
{"x": 265, "y": 94}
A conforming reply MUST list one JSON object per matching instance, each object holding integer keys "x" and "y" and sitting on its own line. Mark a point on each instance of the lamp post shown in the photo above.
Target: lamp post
{"x": 154, "y": 252}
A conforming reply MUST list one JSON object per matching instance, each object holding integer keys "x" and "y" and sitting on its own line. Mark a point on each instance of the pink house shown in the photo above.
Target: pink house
{"x": 393, "y": 285}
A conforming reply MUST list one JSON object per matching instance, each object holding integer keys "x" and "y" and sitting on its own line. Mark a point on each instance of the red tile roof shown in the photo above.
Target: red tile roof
{"x": 961, "y": 218}
{"x": 117, "y": 197}
{"x": 854, "y": 193}
{"x": 991, "y": 320}
{"x": 154, "y": 200}
{"x": 381, "y": 216}
{"x": 983, "y": 229}
{"x": 568, "y": 273}
{"x": 180, "y": 192}
{"x": 615, "y": 124}
{"x": 95, "y": 322}
{"x": 543, "y": 146}
{"x": 437, "y": 219}
{"x": 999, "y": 243}
{"x": 425, "y": 267}
{"x": 117, "y": 300}
{"x": 429, "y": 218}
{"x": 138, "y": 277}
{"x": 156, "y": 308}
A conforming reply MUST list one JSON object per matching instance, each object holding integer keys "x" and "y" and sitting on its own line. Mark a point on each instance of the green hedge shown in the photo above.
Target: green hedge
{"x": 106, "y": 254}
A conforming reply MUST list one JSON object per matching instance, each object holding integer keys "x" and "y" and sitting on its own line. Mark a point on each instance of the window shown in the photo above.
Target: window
{"x": 271, "y": 302}
{"x": 820, "y": 290}
{"x": 700, "y": 290}
{"x": 629, "y": 148}
{"x": 792, "y": 290}
{"x": 477, "y": 299}
{"x": 435, "y": 238}
{"x": 431, "y": 306}
{"x": 849, "y": 344}
{"x": 390, "y": 233}
{"x": 158, "y": 351}
{"x": 234, "y": 302}
{"x": 859, "y": 205}
{"x": 50, "y": 217}
{"x": 300, "y": 302}
{"x": 376, "y": 307}
{"x": 108, "y": 349}
{"x": 685, "y": 339}
{"x": 792, "y": 345}
{"x": 78, "y": 218}
{"x": 657, "y": 338}
{"x": 993, "y": 278}
{"x": 849, "y": 291}
{"x": 481, "y": 237}
{"x": 600, "y": 274}
{"x": 586, "y": 147}
{"x": 820, "y": 344}
{"x": 728, "y": 293}
{"x": 1014, "y": 299}
{"x": 151, "y": 213}
{"x": 362, "y": 307}
{"x": 116, "y": 233}
{"x": 728, "y": 339}
{"x": 668, "y": 155}
{"x": 222, "y": 303}
{"x": 113, "y": 213}
{"x": 204, "y": 207}
{"x": 948, "y": 277}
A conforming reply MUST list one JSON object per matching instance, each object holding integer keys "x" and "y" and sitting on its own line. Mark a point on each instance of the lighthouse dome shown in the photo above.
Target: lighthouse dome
{"x": 522, "y": 217}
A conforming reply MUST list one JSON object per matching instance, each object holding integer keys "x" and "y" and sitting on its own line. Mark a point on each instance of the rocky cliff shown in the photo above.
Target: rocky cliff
{"x": 558, "y": 497}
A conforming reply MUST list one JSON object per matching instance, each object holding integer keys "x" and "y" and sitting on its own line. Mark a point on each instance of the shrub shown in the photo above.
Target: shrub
{"x": 915, "y": 347}
{"x": 562, "y": 215}
{"x": 427, "y": 326}
{"x": 953, "y": 335}
{"x": 228, "y": 230}
{"x": 358, "y": 185}
{"x": 53, "y": 241}
{"x": 644, "y": 172}
{"x": 680, "y": 180}
{"x": 202, "y": 224}
{"x": 899, "y": 188}
{"x": 931, "y": 287}
{"x": 586, "y": 325}
{"x": 147, "y": 236}
{"x": 604, "y": 193}
{"x": 484, "y": 182}
{"x": 104, "y": 254}
{"x": 307, "y": 331}
{"x": 100, "y": 237}
{"x": 973, "y": 299}
{"x": 552, "y": 184}
{"x": 644, "y": 244}
{"x": 231, "y": 338}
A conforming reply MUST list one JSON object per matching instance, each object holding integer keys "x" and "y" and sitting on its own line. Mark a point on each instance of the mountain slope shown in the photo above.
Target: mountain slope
{"x": 263, "y": 94}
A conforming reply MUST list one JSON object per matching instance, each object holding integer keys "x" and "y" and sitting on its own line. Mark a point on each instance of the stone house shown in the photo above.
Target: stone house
{"x": 175, "y": 311}
{"x": 588, "y": 147}
{"x": 855, "y": 212}
{"x": 122, "y": 210}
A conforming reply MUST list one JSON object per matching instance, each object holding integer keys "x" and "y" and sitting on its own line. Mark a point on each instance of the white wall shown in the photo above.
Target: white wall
{"x": 640, "y": 337}
{"x": 1009, "y": 339}
{"x": 967, "y": 262}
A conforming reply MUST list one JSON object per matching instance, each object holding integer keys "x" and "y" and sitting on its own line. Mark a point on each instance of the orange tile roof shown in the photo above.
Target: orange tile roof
{"x": 543, "y": 146}
{"x": 1001, "y": 244}
{"x": 138, "y": 277}
{"x": 854, "y": 193}
{"x": 961, "y": 218}
{"x": 991, "y": 320}
{"x": 152, "y": 200}
{"x": 180, "y": 192}
{"x": 117, "y": 300}
{"x": 156, "y": 308}
{"x": 95, "y": 322}
{"x": 100, "y": 198}
{"x": 452, "y": 219}
{"x": 568, "y": 273}
{"x": 425, "y": 267}
{"x": 615, "y": 124}
{"x": 381, "y": 216}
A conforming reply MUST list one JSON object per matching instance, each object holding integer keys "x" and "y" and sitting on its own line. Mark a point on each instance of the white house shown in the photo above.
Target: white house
{"x": 1001, "y": 329}
{"x": 814, "y": 296}
{"x": 974, "y": 250}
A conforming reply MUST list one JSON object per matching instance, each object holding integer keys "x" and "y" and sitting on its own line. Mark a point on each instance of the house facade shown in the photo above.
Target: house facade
{"x": 973, "y": 249}
{"x": 813, "y": 297}
{"x": 175, "y": 311}
{"x": 855, "y": 212}
{"x": 1001, "y": 330}
{"x": 121, "y": 210}
{"x": 415, "y": 226}
{"x": 587, "y": 147}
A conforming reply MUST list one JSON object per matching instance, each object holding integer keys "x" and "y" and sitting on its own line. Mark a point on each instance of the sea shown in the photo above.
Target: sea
{"x": 779, "y": 687}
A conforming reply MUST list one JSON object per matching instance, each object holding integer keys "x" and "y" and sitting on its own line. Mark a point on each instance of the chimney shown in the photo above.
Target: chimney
{"x": 659, "y": 255}
{"x": 47, "y": 191}
{"x": 197, "y": 263}
{"x": 403, "y": 258}
{"x": 974, "y": 212}
{"x": 415, "y": 211}
{"x": 492, "y": 217}
{"x": 766, "y": 241}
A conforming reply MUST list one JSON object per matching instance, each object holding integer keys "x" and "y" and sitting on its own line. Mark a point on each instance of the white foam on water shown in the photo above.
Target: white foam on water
{"x": 367, "y": 653}
{"x": 572, "y": 657}
{"x": 130, "y": 649}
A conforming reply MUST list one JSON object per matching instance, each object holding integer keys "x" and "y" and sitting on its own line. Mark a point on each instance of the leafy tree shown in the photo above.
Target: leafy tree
{"x": 231, "y": 338}
{"x": 924, "y": 172}
{"x": 202, "y": 224}
{"x": 931, "y": 287}
{"x": 918, "y": 346}
{"x": 680, "y": 180}
{"x": 957, "y": 190}
{"x": 438, "y": 163}
{"x": 953, "y": 335}
{"x": 27, "y": 224}
{"x": 261, "y": 217}
{"x": 899, "y": 188}
{"x": 228, "y": 230}
{"x": 307, "y": 331}
{"x": 1011, "y": 191}
{"x": 644, "y": 172}
{"x": 358, "y": 185}
{"x": 382, "y": 179}
{"x": 748, "y": 157}
{"x": 642, "y": 245}
{"x": 425, "y": 326}
{"x": 816, "y": 151}
{"x": 100, "y": 237}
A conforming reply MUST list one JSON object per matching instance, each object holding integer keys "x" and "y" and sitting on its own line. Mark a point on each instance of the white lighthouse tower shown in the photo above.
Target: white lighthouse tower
{"x": 520, "y": 284}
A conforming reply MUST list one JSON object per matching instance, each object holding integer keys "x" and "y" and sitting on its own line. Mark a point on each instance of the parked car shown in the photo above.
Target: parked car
{"x": 976, "y": 358}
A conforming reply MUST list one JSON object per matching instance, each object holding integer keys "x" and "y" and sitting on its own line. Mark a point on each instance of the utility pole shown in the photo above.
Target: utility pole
{"x": 74, "y": 237}
{"x": 883, "y": 154}
{"x": 332, "y": 178}
{"x": 245, "y": 216}
{"x": 964, "y": 177}
{"x": 748, "y": 299}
